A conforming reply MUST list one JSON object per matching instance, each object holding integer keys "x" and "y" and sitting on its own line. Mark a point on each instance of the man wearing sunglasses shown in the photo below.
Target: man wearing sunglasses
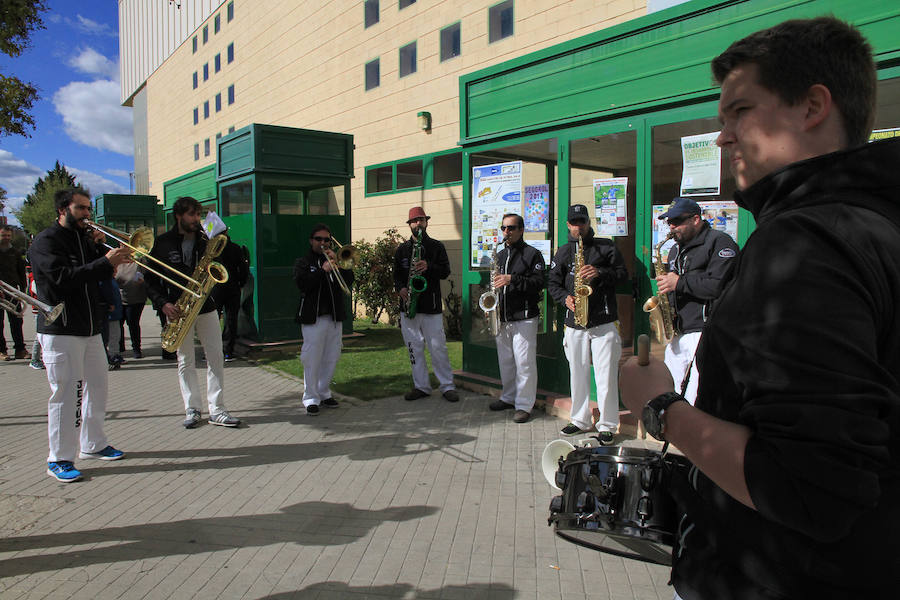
{"x": 320, "y": 316}
{"x": 598, "y": 342}
{"x": 697, "y": 264}
{"x": 518, "y": 285}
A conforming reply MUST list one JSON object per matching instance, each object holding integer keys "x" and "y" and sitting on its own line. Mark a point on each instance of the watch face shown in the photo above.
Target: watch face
{"x": 651, "y": 422}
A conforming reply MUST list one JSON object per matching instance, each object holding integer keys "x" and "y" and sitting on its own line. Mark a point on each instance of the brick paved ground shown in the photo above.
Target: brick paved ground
{"x": 382, "y": 499}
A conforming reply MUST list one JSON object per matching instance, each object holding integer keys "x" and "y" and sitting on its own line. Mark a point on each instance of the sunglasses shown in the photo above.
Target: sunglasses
{"x": 321, "y": 239}
{"x": 508, "y": 227}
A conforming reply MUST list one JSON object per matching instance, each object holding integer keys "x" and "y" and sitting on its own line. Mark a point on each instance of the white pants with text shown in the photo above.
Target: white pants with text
{"x": 319, "y": 355}
{"x": 416, "y": 332}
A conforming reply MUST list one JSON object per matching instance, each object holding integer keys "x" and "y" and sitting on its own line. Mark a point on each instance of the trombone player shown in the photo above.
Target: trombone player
{"x": 68, "y": 265}
{"x": 323, "y": 284}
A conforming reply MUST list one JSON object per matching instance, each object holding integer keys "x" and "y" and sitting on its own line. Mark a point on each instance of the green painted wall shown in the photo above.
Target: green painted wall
{"x": 199, "y": 184}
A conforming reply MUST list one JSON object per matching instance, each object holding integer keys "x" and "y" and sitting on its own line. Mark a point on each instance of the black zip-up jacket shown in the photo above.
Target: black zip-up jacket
{"x": 434, "y": 253}
{"x": 12, "y": 268}
{"x": 701, "y": 266}
{"x": 68, "y": 267}
{"x": 521, "y": 299}
{"x": 167, "y": 248}
{"x": 320, "y": 293}
{"x": 803, "y": 348}
{"x": 601, "y": 253}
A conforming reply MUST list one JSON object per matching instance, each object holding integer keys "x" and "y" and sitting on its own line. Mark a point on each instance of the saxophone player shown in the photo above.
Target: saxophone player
{"x": 518, "y": 282}
{"x": 597, "y": 341}
{"x": 697, "y": 263}
{"x": 181, "y": 248}
{"x": 427, "y": 322}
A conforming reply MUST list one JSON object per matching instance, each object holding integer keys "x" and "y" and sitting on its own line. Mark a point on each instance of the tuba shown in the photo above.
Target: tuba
{"x": 417, "y": 282}
{"x": 662, "y": 319}
{"x": 489, "y": 301}
{"x": 580, "y": 288}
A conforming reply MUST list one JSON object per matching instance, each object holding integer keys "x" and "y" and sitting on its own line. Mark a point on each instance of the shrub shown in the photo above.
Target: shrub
{"x": 374, "y": 277}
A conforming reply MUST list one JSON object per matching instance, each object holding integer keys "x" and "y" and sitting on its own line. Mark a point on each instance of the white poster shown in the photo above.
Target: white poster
{"x": 496, "y": 190}
{"x": 610, "y": 206}
{"x": 701, "y": 166}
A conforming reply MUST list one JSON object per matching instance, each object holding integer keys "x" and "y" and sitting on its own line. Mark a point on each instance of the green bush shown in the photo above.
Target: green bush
{"x": 373, "y": 284}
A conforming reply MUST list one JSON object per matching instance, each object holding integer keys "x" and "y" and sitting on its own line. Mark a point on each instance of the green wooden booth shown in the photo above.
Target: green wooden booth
{"x": 271, "y": 185}
{"x": 127, "y": 212}
{"x": 617, "y": 104}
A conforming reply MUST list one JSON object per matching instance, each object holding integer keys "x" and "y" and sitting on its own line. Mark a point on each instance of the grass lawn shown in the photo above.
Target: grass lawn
{"x": 373, "y": 366}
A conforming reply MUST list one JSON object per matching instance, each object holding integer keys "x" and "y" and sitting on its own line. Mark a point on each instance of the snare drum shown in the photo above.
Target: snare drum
{"x": 615, "y": 499}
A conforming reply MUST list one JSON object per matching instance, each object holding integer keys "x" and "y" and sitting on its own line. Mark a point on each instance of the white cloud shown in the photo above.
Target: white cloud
{"x": 93, "y": 63}
{"x": 93, "y": 116}
{"x": 97, "y": 184}
{"x": 118, "y": 173}
{"x": 91, "y": 27}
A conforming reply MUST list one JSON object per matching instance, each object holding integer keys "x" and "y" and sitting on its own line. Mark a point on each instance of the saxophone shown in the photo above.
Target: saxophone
{"x": 580, "y": 288}
{"x": 416, "y": 284}
{"x": 207, "y": 274}
{"x": 662, "y": 319}
{"x": 489, "y": 301}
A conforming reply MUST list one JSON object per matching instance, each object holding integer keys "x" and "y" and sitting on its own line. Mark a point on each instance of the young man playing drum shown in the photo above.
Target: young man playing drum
{"x": 796, "y": 430}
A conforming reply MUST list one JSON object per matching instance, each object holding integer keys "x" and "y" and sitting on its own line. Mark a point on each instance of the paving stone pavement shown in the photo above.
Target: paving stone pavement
{"x": 380, "y": 499}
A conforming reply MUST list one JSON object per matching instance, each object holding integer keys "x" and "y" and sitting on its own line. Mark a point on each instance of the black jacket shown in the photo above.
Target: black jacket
{"x": 803, "y": 348}
{"x": 167, "y": 248}
{"x": 320, "y": 293}
{"x": 521, "y": 299}
{"x": 434, "y": 253}
{"x": 68, "y": 267}
{"x": 12, "y": 268}
{"x": 232, "y": 258}
{"x": 701, "y": 266}
{"x": 603, "y": 254}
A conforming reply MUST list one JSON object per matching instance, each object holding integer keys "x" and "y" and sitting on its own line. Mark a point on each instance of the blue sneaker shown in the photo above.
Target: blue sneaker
{"x": 63, "y": 471}
{"x": 108, "y": 453}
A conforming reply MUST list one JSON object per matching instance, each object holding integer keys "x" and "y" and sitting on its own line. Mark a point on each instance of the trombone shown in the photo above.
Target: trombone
{"x": 140, "y": 242}
{"x": 50, "y": 313}
{"x": 346, "y": 258}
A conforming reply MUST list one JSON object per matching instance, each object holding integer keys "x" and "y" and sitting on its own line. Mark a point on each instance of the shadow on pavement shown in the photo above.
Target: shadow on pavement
{"x": 328, "y": 590}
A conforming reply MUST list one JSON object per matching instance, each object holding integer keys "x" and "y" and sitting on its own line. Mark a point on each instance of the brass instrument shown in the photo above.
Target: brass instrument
{"x": 206, "y": 274}
{"x": 581, "y": 289}
{"x": 50, "y": 313}
{"x": 489, "y": 301}
{"x": 416, "y": 284}
{"x": 662, "y": 319}
{"x": 346, "y": 258}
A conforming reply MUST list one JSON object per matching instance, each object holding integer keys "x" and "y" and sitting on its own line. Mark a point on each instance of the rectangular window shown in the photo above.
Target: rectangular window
{"x": 206, "y": 147}
{"x": 195, "y": 44}
{"x": 205, "y": 71}
{"x": 217, "y": 23}
{"x": 450, "y": 42}
{"x": 196, "y": 115}
{"x": 205, "y": 33}
{"x": 405, "y": 3}
{"x": 230, "y": 11}
{"x": 408, "y": 59}
{"x": 230, "y": 52}
{"x": 231, "y": 129}
{"x": 195, "y": 80}
{"x": 218, "y": 102}
{"x": 217, "y": 63}
{"x": 409, "y": 174}
{"x": 371, "y": 8}
{"x": 231, "y": 94}
{"x": 218, "y": 135}
{"x": 446, "y": 168}
{"x": 380, "y": 179}
{"x": 373, "y": 74}
{"x": 237, "y": 198}
{"x": 206, "y": 109}
{"x": 500, "y": 21}
{"x": 196, "y": 151}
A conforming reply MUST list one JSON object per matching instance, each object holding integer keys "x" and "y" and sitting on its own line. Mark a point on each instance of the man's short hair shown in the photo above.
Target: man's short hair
{"x": 795, "y": 55}
{"x": 8, "y": 228}
{"x": 319, "y": 227}
{"x": 519, "y": 220}
{"x": 185, "y": 204}
{"x": 63, "y": 198}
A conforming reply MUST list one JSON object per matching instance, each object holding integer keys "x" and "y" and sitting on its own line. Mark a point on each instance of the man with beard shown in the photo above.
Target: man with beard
{"x": 181, "y": 248}
{"x": 698, "y": 261}
{"x": 68, "y": 266}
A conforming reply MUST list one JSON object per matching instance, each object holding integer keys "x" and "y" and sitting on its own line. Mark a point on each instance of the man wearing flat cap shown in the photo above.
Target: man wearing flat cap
{"x": 426, "y": 323}
{"x": 598, "y": 340}
{"x": 697, "y": 263}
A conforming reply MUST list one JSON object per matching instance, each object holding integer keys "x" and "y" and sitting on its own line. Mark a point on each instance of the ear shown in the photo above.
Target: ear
{"x": 819, "y": 106}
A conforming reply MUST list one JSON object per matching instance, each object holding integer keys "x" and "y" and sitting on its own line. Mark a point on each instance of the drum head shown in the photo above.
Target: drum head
{"x": 627, "y": 547}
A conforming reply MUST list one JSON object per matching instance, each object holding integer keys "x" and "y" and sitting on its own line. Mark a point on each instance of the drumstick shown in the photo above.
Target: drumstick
{"x": 643, "y": 350}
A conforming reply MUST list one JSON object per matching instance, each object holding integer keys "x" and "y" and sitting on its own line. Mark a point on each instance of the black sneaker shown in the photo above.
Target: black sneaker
{"x": 451, "y": 396}
{"x": 500, "y": 405}
{"x": 605, "y": 437}
{"x": 137, "y": 353}
{"x": 521, "y": 416}
{"x": 312, "y": 409}
{"x": 330, "y": 402}
{"x": 415, "y": 394}
{"x": 192, "y": 418}
{"x": 570, "y": 429}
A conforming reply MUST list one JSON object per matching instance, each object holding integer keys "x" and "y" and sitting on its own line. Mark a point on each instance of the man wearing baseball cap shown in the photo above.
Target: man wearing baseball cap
{"x": 697, "y": 264}
{"x": 427, "y": 322}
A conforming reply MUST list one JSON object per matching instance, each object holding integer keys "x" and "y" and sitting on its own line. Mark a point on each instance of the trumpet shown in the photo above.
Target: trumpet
{"x": 345, "y": 258}
{"x": 50, "y": 313}
{"x": 140, "y": 242}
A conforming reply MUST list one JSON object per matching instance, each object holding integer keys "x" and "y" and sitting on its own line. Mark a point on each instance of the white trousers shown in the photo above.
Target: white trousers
{"x": 601, "y": 343}
{"x": 77, "y": 372}
{"x": 319, "y": 355}
{"x": 517, "y": 355}
{"x": 207, "y": 327}
{"x": 415, "y": 333}
{"x": 679, "y": 354}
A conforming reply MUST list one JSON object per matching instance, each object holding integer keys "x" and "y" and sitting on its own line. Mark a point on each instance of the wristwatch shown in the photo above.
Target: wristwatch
{"x": 654, "y": 414}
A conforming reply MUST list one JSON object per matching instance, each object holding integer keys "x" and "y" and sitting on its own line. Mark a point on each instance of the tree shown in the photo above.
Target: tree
{"x": 18, "y": 20}
{"x": 374, "y": 276}
{"x": 39, "y": 210}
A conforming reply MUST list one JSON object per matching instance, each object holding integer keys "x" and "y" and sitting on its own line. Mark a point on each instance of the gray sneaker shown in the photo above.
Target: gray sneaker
{"x": 192, "y": 418}
{"x": 224, "y": 419}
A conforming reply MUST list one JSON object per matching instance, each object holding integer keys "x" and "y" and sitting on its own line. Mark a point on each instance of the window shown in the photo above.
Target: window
{"x": 380, "y": 179}
{"x": 196, "y": 151}
{"x": 218, "y": 102}
{"x": 371, "y": 7}
{"x": 231, "y": 94}
{"x": 205, "y": 71}
{"x": 408, "y": 59}
{"x": 230, "y": 52}
{"x": 195, "y": 80}
{"x": 195, "y": 44}
{"x": 237, "y": 198}
{"x": 205, "y": 33}
{"x": 373, "y": 74}
{"x": 231, "y": 129}
{"x": 230, "y": 11}
{"x": 405, "y": 3}
{"x": 218, "y": 135}
{"x": 450, "y": 45}
{"x": 206, "y": 147}
{"x": 446, "y": 168}
{"x": 217, "y": 63}
{"x": 500, "y": 21}
{"x": 217, "y": 23}
{"x": 196, "y": 115}
{"x": 206, "y": 109}
{"x": 409, "y": 174}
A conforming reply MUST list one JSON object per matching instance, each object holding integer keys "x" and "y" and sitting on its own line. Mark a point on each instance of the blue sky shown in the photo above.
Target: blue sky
{"x": 74, "y": 63}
